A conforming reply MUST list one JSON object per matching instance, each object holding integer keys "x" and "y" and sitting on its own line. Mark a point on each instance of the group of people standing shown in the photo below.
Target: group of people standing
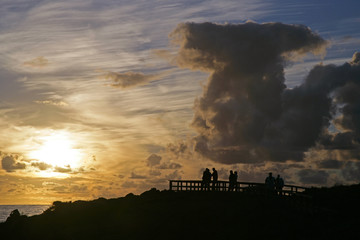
{"x": 233, "y": 177}
{"x": 206, "y": 180}
{"x": 208, "y": 177}
{"x": 274, "y": 183}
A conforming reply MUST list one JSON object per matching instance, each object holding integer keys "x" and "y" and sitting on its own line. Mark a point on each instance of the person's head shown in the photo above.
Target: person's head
{"x": 213, "y": 169}
{"x": 231, "y": 172}
{"x": 236, "y": 172}
{"x": 278, "y": 176}
{"x": 270, "y": 174}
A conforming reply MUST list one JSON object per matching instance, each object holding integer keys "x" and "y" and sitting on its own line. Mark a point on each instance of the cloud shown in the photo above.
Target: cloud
{"x": 129, "y": 184}
{"x": 246, "y": 114}
{"x": 169, "y": 165}
{"x": 46, "y": 184}
{"x": 137, "y": 176}
{"x": 163, "y": 53}
{"x": 11, "y": 163}
{"x": 62, "y": 169}
{"x": 52, "y": 102}
{"x": 130, "y": 79}
{"x": 175, "y": 175}
{"x": 153, "y": 160}
{"x": 79, "y": 188}
{"x": 41, "y": 165}
{"x": 330, "y": 164}
{"x": 177, "y": 149}
{"x": 154, "y": 172}
{"x": 38, "y": 62}
{"x": 310, "y": 176}
{"x": 351, "y": 171}
{"x": 60, "y": 189}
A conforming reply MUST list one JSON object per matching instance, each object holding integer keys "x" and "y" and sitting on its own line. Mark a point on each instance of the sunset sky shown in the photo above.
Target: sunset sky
{"x": 102, "y": 98}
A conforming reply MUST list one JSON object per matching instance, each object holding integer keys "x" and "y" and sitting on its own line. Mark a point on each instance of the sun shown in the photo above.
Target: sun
{"x": 58, "y": 150}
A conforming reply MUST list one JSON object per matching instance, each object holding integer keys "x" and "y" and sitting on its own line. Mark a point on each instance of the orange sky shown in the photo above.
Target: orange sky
{"x": 93, "y": 103}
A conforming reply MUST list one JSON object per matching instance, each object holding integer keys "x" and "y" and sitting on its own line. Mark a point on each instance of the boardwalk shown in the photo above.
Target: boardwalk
{"x": 196, "y": 185}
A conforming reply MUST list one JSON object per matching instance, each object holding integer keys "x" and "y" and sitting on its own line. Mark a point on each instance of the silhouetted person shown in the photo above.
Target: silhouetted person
{"x": 215, "y": 179}
{"x": 231, "y": 181}
{"x": 270, "y": 182}
{"x": 279, "y": 184}
{"x": 235, "y": 180}
{"x": 203, "y": 180}
{"x": 206, "y": 179}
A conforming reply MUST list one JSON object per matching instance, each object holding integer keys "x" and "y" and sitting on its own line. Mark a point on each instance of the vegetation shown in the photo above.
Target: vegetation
{"x": 322, "y": 213}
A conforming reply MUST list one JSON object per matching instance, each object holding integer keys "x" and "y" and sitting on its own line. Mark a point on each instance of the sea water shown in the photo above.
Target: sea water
{"x": 28, "y": 210}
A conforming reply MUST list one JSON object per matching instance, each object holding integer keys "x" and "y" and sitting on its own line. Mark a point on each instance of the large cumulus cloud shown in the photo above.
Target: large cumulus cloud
{"x": 246, "y": 114}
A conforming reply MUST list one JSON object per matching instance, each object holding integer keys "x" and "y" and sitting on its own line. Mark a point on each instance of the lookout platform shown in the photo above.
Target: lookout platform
{"x": 197, "y": 185}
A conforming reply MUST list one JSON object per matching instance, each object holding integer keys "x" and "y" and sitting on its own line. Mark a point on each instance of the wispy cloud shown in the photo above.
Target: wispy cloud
{"x": 130, "y": 79}
{"x": 52, "y": 102}
{"x": 38, "y": 62}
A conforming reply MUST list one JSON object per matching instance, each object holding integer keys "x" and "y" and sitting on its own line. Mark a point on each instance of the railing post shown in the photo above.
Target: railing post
{"x": 170, "y": 185}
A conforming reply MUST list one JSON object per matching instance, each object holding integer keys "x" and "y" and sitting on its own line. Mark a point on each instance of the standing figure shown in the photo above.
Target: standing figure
{"x": 206, "y": 179}
{"x": 279, "y": 184}
{"x": 235, "y": 181}
{"x": 231, "y": 181}
{"x": 270, "y": 182}
{"x": 215, "y": 180}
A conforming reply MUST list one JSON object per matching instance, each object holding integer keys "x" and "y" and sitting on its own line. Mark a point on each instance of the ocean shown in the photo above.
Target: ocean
{"x": 28, "y": 210}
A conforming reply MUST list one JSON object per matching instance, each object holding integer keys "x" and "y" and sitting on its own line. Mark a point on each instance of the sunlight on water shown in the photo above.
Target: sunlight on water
{"x": 28, "y": 210}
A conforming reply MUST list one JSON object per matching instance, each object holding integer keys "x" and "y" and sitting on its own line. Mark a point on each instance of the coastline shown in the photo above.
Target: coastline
{"x": 25, "y": 209}
{"x": 168, "y": 214}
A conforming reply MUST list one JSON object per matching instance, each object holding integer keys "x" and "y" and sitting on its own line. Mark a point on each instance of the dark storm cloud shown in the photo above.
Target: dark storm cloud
{"x": 351, "y": 171}
{"x": 11, "y": 163}
{"x": 246, "y": 114}
{"x": 310, "y": 176}
{"x": 330, "y": 164}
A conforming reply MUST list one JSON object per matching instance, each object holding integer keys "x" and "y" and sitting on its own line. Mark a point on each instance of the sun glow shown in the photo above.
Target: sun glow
{"x": 57, "y": 150}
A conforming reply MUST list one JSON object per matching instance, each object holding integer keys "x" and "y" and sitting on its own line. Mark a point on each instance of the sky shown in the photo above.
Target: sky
{"x": 102, "y": 98}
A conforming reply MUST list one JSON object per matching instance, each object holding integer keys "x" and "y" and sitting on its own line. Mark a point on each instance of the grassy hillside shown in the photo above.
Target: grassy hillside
{"x": 327, "y": 213}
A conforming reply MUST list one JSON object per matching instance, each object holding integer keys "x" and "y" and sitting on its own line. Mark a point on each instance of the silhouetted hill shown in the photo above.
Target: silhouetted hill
{"x": 326, "y": 213}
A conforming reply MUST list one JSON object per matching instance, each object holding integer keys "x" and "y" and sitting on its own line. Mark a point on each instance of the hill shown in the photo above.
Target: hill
{"x": 325, "y": 213}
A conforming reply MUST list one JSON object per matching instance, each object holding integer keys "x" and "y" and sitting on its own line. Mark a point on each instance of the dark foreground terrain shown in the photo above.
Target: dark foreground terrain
{"x": 325, "y": 213}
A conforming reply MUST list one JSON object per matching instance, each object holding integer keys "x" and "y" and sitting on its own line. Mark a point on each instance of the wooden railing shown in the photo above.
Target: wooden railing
{"x": 198, "y": 185}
